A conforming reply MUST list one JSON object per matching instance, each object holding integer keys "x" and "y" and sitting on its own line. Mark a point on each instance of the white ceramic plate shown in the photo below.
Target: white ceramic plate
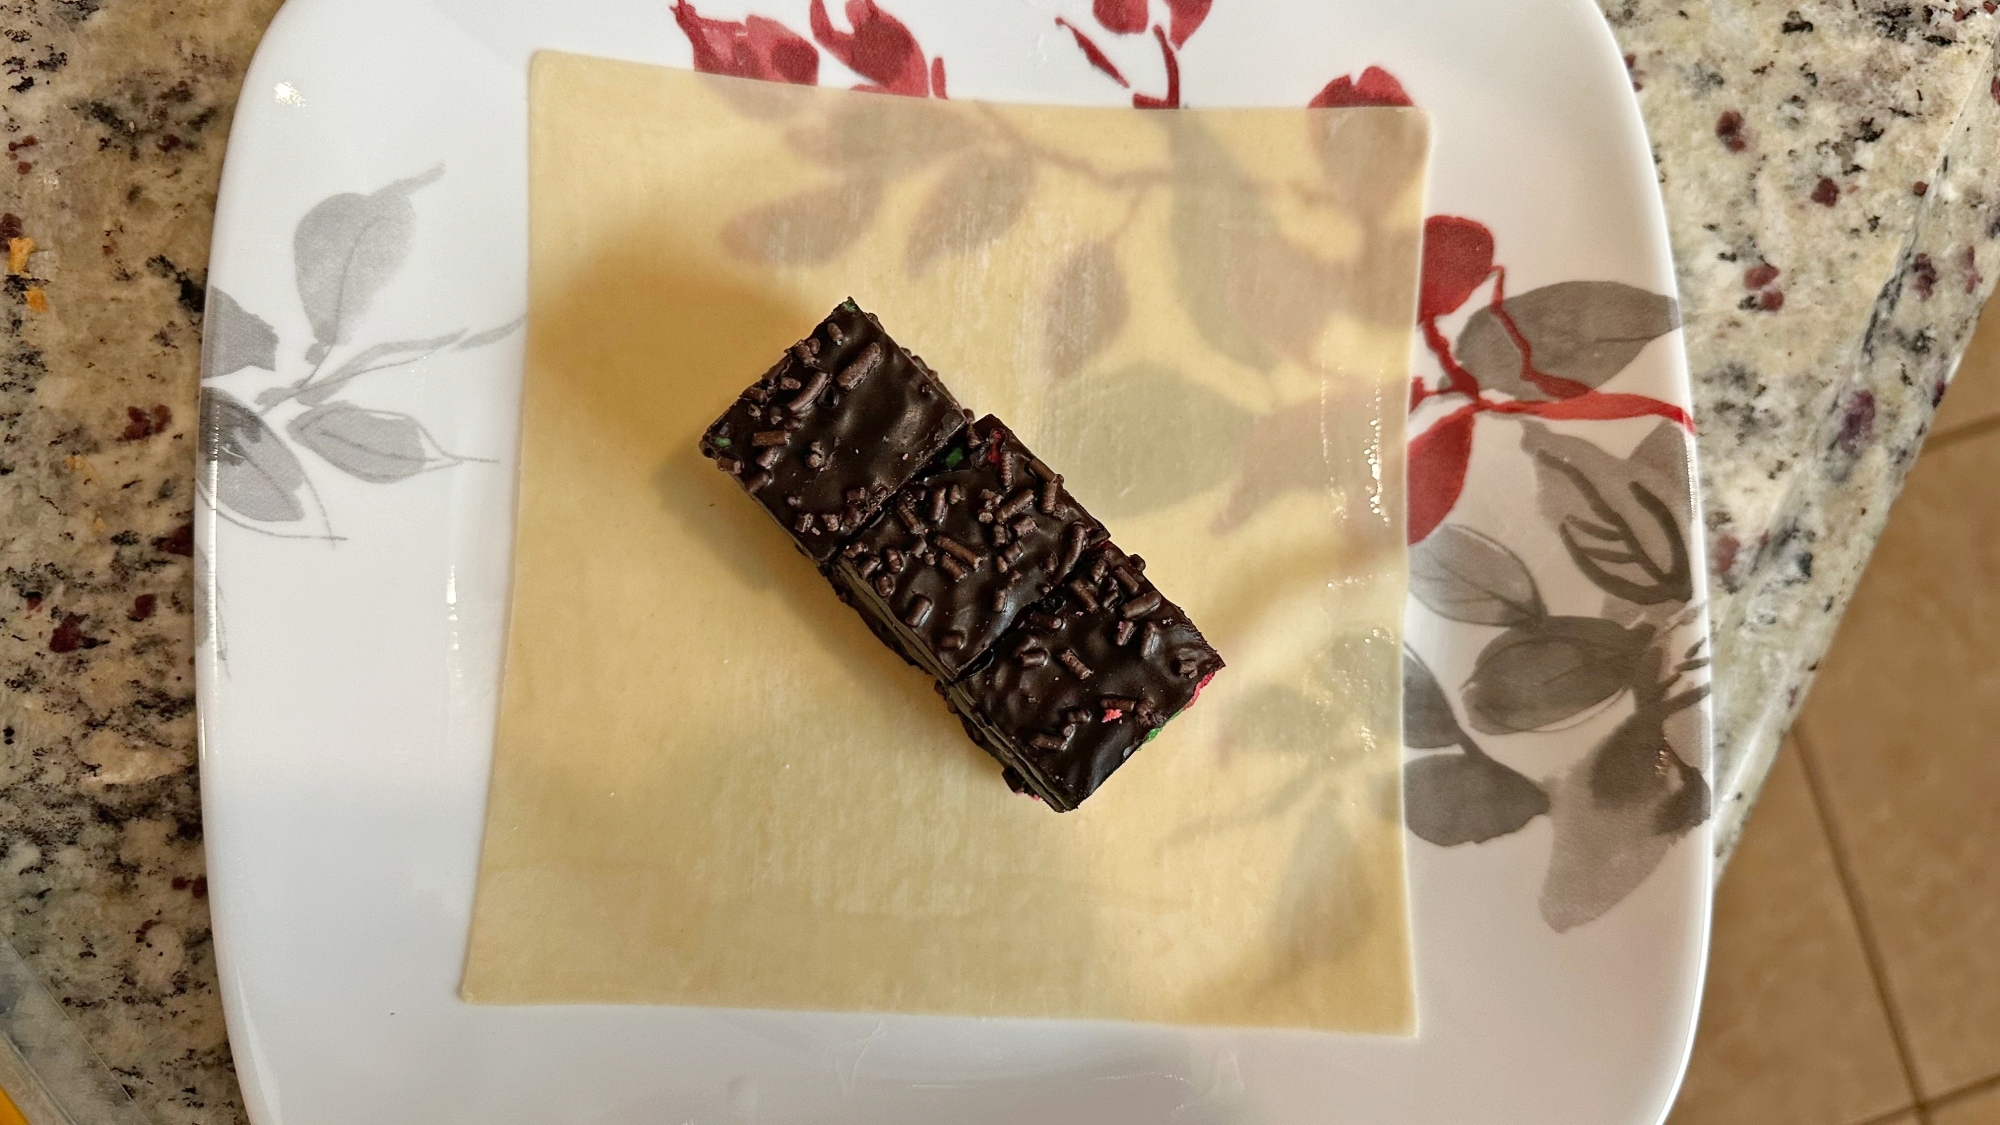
{"x": 355, "y": 561}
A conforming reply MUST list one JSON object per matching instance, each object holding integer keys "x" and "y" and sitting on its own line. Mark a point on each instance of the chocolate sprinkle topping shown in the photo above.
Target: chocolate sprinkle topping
{"x": 887, "y": 437}
{"x": 963, "y": 553}
{"x": 861, "y": 367}
{"x": 1141, "y": 605}
{"x": 873, "y": 434}
{"x": 809, "y": 397}
{"x": 1072, "y": 548}
{"x": 1016, "y": 504}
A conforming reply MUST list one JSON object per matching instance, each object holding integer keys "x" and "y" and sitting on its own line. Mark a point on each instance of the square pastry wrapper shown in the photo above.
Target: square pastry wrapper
{"x": 712, "y": 786}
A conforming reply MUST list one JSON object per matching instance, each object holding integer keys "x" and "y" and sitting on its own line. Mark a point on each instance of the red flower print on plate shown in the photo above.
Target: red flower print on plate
{"x": 1376, "y": 87}
{"x": 880, "y": 49}
{"x": 756, "y": 47}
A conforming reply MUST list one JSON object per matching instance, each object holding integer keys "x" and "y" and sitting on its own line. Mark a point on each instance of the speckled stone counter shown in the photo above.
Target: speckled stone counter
{"x": 1826, "y": 168}
{"x": 1830, "y": 177}
{"x": 115, "y": 116}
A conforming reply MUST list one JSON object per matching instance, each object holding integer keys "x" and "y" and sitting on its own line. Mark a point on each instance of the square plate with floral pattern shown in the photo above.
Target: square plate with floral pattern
{"x": 360, "y": 381}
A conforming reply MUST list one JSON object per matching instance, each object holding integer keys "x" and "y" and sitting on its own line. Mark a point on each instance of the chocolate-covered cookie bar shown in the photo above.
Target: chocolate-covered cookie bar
{"x": 963, "y": 549}
{"x": 1084, "y": 679}
{"x": 845, "y": 419}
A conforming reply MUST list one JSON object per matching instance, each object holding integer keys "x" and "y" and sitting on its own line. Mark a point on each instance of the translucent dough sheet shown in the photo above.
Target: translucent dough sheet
{"x": 713, "y": 786}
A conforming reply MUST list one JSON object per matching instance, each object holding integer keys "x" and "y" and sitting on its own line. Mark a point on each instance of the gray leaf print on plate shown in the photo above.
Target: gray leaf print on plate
{"x": 375, "y": 358}
{"x": 1623, "y": 520}
{"x": 1105, "y": 424}
{"x": 1087, "y": 307}
{"x": 1537, "y": 675}
{"x": 346, "y": 249}
{"x": 233, "y": 338}
{"x": 1468, "y": 798}
{"x": 1606, "y": 845}
{"x": 1428, "y": 723}
{"x": 977, "y": 202}
{"x": 251, "y": 471}
{"x": 805, "y": 229}
{"x": 378, "y": 446}
{"x": 1465, "y": 576}
{"x": 1460, "y": 798}
{"x": 1623, "y": 523}
{"x": 1583, "y": 332}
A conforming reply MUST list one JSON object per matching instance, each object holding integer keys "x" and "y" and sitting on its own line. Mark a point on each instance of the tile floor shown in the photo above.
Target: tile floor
{"x": 1855, "y": 973}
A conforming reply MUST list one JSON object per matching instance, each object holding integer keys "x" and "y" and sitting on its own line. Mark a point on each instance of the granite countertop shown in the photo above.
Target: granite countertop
{"x": 1824, "y": 162}
{"x": 1826, "y": 168}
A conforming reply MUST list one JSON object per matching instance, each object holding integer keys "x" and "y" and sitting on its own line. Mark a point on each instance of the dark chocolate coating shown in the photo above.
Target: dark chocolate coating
{"x": 977, "y": 570}
{"x": 1059, "y": 731}
{"x": 834, "y": 429}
